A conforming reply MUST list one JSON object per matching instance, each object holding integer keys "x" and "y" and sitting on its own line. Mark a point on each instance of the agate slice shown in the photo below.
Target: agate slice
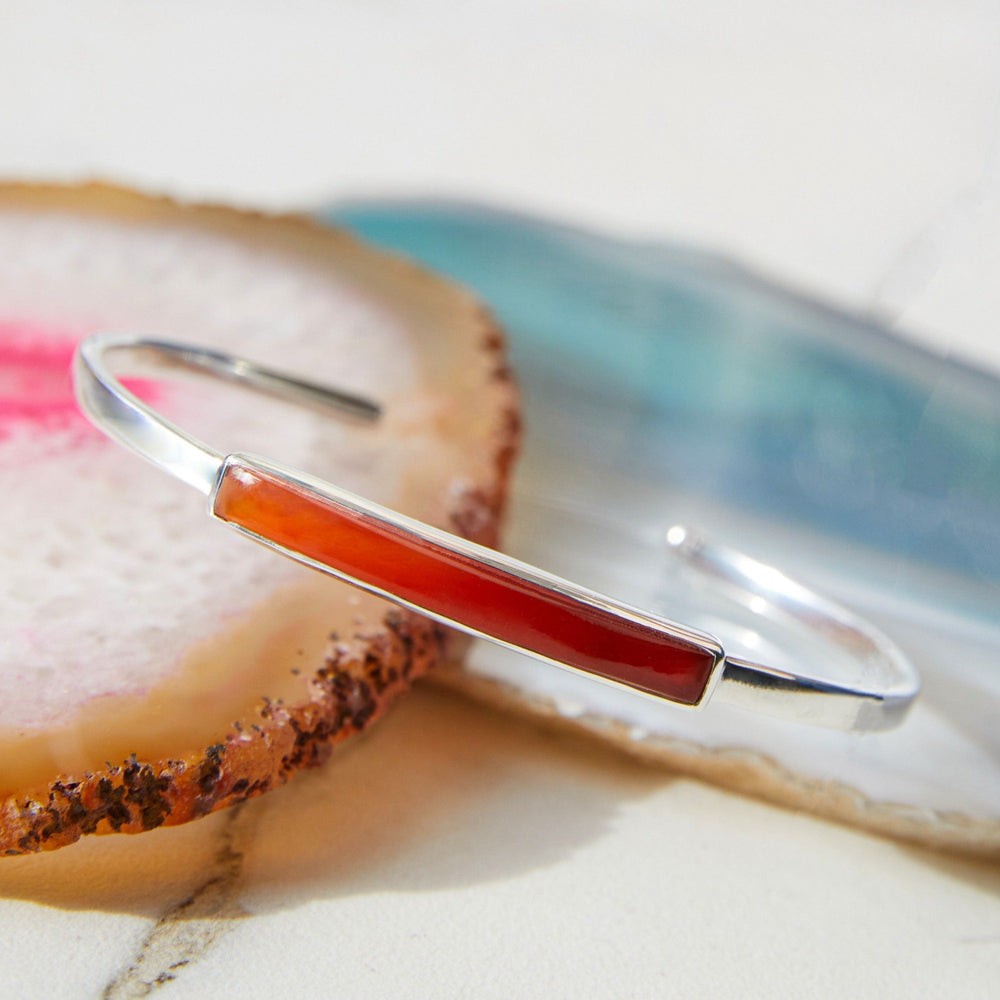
{"x": 662, "y": 385}
{"x": 155, "y": 667}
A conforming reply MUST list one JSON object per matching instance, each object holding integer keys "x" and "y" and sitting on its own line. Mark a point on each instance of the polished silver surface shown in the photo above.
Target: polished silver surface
{"x": 892, "y": 680}
{"x": 890, "y": 685}
{"x": 124, "y": 417}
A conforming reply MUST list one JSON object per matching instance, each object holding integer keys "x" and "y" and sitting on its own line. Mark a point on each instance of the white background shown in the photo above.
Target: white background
{"x": 850, "y": 149}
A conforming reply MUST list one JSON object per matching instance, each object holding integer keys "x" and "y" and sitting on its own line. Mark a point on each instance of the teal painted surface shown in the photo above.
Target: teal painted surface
{"x": 737, "y": 388}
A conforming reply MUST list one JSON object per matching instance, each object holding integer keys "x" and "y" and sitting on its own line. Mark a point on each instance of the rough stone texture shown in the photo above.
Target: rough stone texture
{"x": 359, "y": 679}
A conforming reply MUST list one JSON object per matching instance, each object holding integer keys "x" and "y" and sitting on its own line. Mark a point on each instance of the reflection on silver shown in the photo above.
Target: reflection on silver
{"x": 765, "y": 590}
{"x": 880, "y": 704}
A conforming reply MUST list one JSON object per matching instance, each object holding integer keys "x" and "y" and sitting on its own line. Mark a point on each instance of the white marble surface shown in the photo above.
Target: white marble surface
{"x": 850, "y": 149}
{"x": 498, "y": 862}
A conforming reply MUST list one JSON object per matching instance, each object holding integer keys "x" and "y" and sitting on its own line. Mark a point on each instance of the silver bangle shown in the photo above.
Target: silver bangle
{"x": 481, "y": 591}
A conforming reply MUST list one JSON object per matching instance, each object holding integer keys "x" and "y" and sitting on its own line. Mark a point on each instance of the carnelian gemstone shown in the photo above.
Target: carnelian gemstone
{"x": 461, "y": 589}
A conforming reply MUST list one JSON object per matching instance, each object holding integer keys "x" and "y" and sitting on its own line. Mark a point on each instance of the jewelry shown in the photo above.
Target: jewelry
{"x": 481, "y": 591}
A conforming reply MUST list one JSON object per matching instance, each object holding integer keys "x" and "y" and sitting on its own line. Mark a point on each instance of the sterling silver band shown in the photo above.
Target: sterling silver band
{"x": 879, "y": 705}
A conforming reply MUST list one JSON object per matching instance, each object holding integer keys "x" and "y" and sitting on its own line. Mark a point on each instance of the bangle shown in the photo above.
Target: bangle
{"x": 477, "y": 589}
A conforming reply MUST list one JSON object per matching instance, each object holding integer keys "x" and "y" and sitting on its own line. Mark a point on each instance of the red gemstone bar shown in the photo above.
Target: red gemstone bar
{"x": 492, "y": 601}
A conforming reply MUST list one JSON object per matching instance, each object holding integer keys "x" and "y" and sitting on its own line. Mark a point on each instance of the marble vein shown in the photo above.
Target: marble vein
{"x": 189, "y": 929}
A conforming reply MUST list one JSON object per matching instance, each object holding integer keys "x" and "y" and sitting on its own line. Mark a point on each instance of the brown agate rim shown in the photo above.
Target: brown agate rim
{"x": 362, "y": 673}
